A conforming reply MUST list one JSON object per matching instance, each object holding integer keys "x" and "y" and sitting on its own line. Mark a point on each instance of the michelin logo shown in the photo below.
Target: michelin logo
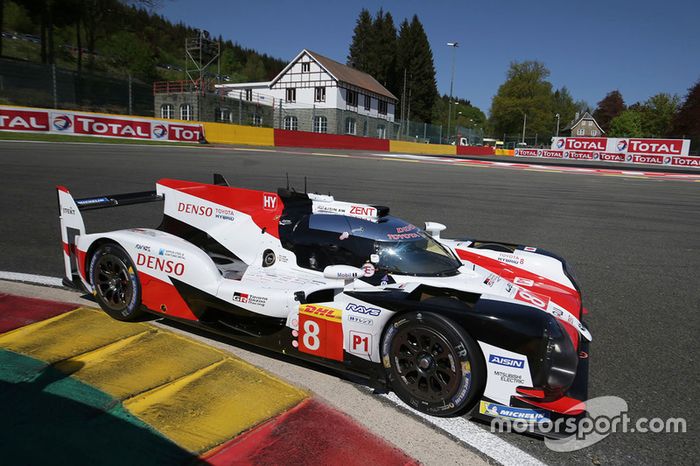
{"x": 503, "y": 361}
{"x": 506, "y": 412}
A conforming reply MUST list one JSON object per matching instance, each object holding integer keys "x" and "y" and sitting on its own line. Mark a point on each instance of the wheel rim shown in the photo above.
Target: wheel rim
{"x": 427, "y": 365}
{"x": 112, "y": 282}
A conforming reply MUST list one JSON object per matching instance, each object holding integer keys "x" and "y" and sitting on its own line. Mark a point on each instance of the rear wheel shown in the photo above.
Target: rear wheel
{"x": 117, "y": 287}
{"x": 432, "y": 364}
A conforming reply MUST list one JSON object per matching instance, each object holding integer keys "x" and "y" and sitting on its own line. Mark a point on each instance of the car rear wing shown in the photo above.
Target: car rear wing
{"x": 72, "y": 224}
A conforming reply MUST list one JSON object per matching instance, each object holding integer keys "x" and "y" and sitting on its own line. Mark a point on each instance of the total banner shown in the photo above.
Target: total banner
{"x": 661, "y": 147}
{"x": 648, "y": 159}
{"x": 18, "y": 119}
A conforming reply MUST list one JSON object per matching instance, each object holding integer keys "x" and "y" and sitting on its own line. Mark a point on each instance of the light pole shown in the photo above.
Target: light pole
{"x": 524, "y": 125}
{"x": 557, "y": 115}
{"x": 454, "y": 46}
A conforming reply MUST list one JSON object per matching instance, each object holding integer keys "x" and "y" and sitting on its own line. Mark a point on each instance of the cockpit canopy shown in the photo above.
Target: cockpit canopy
{"x": 395, "y": 246}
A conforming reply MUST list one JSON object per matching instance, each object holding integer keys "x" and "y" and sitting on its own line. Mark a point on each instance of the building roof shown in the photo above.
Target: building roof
{"x": 343, "y": 73}
{"x": 577, "y": 120}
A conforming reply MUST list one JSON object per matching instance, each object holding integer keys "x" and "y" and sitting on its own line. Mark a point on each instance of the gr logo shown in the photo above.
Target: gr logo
{"x": 360, "y": 309}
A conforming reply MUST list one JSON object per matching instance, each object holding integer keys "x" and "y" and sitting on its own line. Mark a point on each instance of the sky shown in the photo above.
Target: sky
{"x": 592, "y": 47}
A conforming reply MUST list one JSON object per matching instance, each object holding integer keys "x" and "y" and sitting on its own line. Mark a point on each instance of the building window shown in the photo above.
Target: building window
{"x": 594, "y": 132}
{"x": 320, "y": 94}
{"x": 381, "y": 131}
{"x": 590, "y": 123}
{"x": 364, "y": 128}
{"x": 166, "y": 111}
{"x": 291, "y": 94}
{"x": 350, "y": 126}
{"x": 249, "y": 94}
{"x": 580, "y": 132}
{"x": 351, "y": 98}
{"x": 291, "y": 123}
{"x": 320, "y": 124}
{"x": 257, "y": 119}
{"x": 368, "y": 102}
{"x": 224, "y": 114}
{"x": 185, "y": 112}
{"x": 305, "y": 67}
{"x": 383, "y": 105}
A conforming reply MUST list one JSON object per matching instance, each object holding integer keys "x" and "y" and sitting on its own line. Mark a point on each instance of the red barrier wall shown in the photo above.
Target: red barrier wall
{"x": 286, "y": 138}
{"x": 475, "y": 150}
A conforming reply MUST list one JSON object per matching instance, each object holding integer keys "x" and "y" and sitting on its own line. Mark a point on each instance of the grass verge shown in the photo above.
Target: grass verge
{"x": 7, "y": 136}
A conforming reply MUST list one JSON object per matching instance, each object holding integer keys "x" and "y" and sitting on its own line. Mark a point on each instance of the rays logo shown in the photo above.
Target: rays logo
{"x": 621, "y": 145}
{"x": 159, "y": 131}
{"x": 560, "y": 144}
{"x": 62, "y": 122}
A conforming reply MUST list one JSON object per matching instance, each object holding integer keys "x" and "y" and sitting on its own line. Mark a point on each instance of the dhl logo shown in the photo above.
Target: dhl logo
{"x": 326, "y": 313}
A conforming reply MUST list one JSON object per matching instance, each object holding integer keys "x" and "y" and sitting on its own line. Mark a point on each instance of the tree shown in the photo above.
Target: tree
{"x": 611, "y": 106}
{"x": 628, "y": 124}
{"x": 131, "y": 54}
{"x": 686, "y": 123}
{"x": 416, "y": 58}
{"x": 373, "y": 47}
{"x": 564, "y": 105}
{"x": 361, "y": 45}
{"x": 526, "y": 91}
{"x": 658, "y": 113}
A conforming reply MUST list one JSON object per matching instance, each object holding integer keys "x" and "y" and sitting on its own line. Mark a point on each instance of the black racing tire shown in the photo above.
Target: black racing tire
{"x": 432, "y": 364}
{"x": 116, "y": 285}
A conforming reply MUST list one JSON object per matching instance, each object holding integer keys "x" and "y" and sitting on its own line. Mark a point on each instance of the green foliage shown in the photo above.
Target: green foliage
{"x": 628, "y": 124}
{"x": 107, "y": 25}
{"x": 686, "y": 123}
{"x": 415, "y": 56}
{"x": 129, "y": 53}
{"x": 564, "y": 105}
{"x": 611, "y": 106}
{"x": 526, "y": 91}
{"x": 657, "y": 115}
{"x": 16, "y": 19}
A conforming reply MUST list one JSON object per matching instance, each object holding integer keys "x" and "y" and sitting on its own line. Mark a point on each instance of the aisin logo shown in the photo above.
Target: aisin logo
{"x": 159, "y": 131}
{"x": 560, "y": 143}
{"x": 62, "y": 122}
{"x": 621, "y": 145}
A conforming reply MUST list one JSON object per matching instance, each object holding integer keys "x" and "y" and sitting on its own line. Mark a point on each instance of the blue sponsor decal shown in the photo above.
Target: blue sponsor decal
{"x": 96, "y": 200}
{"x": 504, "y": 361}
{"x": 521, "y": 414}
{"x": 360, "y": 309}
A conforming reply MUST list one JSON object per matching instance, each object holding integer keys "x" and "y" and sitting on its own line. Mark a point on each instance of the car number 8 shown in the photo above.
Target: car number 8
{"x": 311, "y": 331}
{"x": 533, "y": 299}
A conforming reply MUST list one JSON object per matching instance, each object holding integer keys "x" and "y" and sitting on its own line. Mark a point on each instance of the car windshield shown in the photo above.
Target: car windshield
{"x": 417, "y": 256}
{"x": 402, "y": 247}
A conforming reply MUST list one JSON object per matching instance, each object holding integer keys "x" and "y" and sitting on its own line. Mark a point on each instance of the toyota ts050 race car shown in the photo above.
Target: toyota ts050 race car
{"x": 451, "y": 326}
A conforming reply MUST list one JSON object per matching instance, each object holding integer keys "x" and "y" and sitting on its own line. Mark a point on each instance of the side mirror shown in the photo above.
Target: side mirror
{"x": 434, "y": 229}
{"x": 342, "y": 272}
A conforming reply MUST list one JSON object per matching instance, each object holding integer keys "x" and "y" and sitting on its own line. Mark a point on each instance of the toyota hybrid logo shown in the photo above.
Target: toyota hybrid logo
{"x": 159, "y": 131}
{"x": 621, "y": 145}
{"x": 62, "y": 122}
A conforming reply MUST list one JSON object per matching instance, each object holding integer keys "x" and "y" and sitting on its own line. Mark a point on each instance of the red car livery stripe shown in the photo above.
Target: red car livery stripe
{"x": 160, "y": 296}
{"x": 264, "y": 208}
{"x": 562, "y": 295}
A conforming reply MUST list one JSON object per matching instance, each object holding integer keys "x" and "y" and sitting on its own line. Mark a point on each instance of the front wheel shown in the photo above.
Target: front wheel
{"x": 432, "y": 364}
{"x": 117, "y": 287}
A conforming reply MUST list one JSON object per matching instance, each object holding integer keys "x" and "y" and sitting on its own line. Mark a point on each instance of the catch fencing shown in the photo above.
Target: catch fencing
{"x": 49, "y": 86}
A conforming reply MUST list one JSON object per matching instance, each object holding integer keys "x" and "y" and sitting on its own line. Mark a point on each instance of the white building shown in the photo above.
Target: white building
{"x": 315, "y": 93}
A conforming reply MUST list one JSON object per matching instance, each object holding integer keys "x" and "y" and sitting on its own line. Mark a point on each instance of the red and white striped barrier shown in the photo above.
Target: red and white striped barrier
{"x": 21, "y": 119}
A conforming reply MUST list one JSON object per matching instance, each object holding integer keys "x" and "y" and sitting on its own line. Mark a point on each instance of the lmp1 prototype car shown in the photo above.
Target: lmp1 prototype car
{"x": 451, "y": 326}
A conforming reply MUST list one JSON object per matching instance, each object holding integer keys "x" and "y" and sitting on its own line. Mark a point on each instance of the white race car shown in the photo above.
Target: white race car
{"x": 451, "y": 326}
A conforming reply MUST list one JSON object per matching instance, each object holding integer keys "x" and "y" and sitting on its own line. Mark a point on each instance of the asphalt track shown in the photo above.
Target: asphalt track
{"x": 633, "y": 242}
